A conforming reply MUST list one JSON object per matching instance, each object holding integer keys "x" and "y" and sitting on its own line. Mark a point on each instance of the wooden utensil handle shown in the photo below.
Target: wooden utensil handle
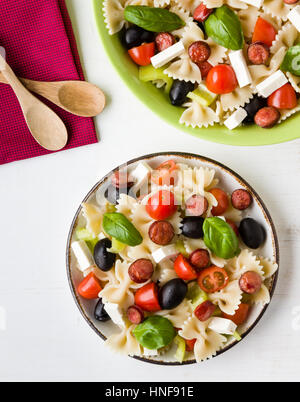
{"x": 12, "y": 80}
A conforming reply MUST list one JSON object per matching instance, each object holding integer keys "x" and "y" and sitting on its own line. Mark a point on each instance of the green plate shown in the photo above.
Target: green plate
{"x": 158, "y": 102}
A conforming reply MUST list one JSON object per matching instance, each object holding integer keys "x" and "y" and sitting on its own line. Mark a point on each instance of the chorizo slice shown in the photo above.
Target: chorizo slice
{"x": 258, "y": 53}
{"x": 199, "y": 52}
{"x": 250, "y": 282}
{"x": 241, "y": 199}
{"x": 161, "y": 232}
{"x": 196, "y": 205}
{"x": 267, "y": 117}
{"x": 164, "y": 40}
{"x": 200, "y": 259}
{"x": 141, "y": 270}
{"x": 135, "y": 315}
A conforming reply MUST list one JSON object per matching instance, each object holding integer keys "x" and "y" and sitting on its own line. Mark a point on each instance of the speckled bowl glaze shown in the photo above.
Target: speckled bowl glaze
{"x": 229, "y": 181}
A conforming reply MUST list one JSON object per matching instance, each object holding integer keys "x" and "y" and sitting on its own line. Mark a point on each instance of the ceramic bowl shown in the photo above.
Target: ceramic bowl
{"x": 229, "y": 181}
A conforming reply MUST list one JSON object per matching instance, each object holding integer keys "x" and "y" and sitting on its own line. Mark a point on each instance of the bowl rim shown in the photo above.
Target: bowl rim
{"x": 202, "y": 159}
{"x": 245, "y": 136}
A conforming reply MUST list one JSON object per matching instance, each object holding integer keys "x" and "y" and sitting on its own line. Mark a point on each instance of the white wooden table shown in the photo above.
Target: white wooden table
{"x": 42, "y": 334}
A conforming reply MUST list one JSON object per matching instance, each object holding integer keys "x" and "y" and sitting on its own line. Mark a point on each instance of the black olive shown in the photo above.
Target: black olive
{"x": 192, "y": 227}
{"x": 172, "y": 294}
{"x": 253, "y": 107}
{"x": 179, "y": 91}
{"x": 147, "y": 36}
{"x": 112, "y": 194}
{"x": 136, "y": 36}
{"x": 103, "y": 258}
{"x": 100, "y": 314}
{"x": 252, "y": 233}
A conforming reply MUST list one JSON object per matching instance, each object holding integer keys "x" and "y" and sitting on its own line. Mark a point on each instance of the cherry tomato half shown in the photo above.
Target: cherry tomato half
{"x": 240, "y": 315}
{"x": 184, "y": 269}
{"x": 161, "y": 205}
{"x": 213, "y": 279}
{"x": 147, "y": 298}
{"x": 190, "y": 343}
{"x": 223, "y": 202}
{"x": 205, "y": 310}
{"x": 141, "y": 55}
{"x": 90, "y": 287}
{"x": 264, "y": 32}
{"x": 202, "y": 13}
{"x": 165, "y": 174}
{"x": 221, "y": 79}
{"x": 284, "y": 98}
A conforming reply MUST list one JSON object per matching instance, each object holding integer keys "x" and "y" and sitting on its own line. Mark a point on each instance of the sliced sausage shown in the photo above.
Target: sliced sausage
{"x": 164, "y": 40}
{"x": 290, "y": 1}
{"x": 199, "y": 51}
{"x": 141, "y": 270}
{"x": 205, "y": 68}
{"x": 161, "y": 232}
{"x": 250, "y": 282}
{"x": 267, "y": 117}
{"x": 200, "y": 259}
{"x": 241, "y": 199}
{"x": 120, "y": 180}
{"x": 205, "y": 310}
{"x": 258, "y": 53}
{"x": 135, "y": 315}
{"x": 196, "y": 205}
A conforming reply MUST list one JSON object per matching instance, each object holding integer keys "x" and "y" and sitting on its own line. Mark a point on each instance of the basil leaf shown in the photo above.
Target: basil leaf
{"x": 119, "y": 227}
{"x": 220, "y": 238}
{"x": 155, "y": 332}
{"x": 153, "y": 19}
{"x": 225, "y": 28}
{"x": 291, "y": 61}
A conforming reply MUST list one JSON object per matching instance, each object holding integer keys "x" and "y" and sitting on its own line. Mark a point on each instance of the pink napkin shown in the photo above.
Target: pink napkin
{"x": 39, "y": 42}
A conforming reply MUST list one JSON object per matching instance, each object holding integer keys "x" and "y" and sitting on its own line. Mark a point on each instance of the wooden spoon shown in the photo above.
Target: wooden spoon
{"x": 45, "y": 126}
{"x": 77, "y": 97}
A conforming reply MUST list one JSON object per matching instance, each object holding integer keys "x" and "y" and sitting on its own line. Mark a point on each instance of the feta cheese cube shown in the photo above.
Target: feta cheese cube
{"x": 115, "y": 313}
{"x": 163, "y": 253}
{"x": 255, "y": 3}
{"x": 167, "y": 55}
{"x": 83, "y": 255}
{"x": 140, "y": 175}
{"x": 148, "y": 352}
{"x": 271, "y": 84}
{"x": 222, "y": 326}
{"x": 240, "y": 67}
{"x": 294, "y": 17}
{"x": 236, "y": 118}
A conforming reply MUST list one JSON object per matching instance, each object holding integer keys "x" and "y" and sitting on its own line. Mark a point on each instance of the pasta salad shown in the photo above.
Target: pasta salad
{"x": 172, "y": 260}
{"x": 227, "y": 62}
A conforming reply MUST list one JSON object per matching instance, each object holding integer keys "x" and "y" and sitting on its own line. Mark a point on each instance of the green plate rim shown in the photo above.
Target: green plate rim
{"x": 149, "y": 95}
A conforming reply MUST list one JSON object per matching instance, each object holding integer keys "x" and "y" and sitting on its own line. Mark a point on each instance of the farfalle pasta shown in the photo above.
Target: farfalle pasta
{"x": 221, "y": 60}
{"x": 208, "y": 342}
{"x": 277, "y": 9}
{"x": 92, "y": 215}
{"x": 229, "y": 298}
{"x": 124, "y": 343}
{"x": 199, "y": 116}
{"x": 184, "y": 70}
{"x": 164, "y": 262}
